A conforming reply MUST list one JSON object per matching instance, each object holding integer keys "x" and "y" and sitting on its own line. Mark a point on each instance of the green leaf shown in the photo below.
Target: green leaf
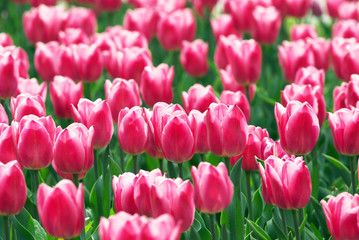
{"x": 33, "y": 227}
{"x": 236, "y": 172}
{"x": 343, "y": 170}
{"x": 172, "y": 171}
{"x": 257, "y": 205}
{"x": 258, "y": 230}
{"x": 278, "y": 229}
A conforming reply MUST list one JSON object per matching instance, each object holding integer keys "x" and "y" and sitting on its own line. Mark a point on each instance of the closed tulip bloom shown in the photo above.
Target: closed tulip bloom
{"x": 346, "y": 29}
{"x": 227, "y": 130}
{"x": 320, "y": 49}
{"x": 73, "y": 149}
{"x": 223, "y": 26}
{"x": 132, "y": 130}
{"x": 193, "y": 57}
{"x": 108, "y": 5}
{"x": 265, "y": 24}
{"x": 21, "y": 59}
{"x": 241, "y": 13}
{"x": 143, "y": 20}
{"x": 306, "y": 93}
{"x": 348, "y": 10}
{"x": 120, "y": 94}
{"x": 12, "y": 188}
{"x": 339, "y": 49}
{"x": 271, "y": 147}
{"x": 73, "y": 36}
{"x": 125, "y": 226}
{"x": 340, "y": 96}
{"x": 3, "y": 116}
{"x": 126, "y": 39}
{"x": 302, "y": 31}
{"x": 341, "y": 213}
{"x": 66, "y": 202}
{"x": 201, "y": 5}
{"x": 5, "y": 40}
{"x": 123, "y": 190}
{"x": 298, "y": 127}
{"x": 293, "y": 56}
{"x": 199, "y": 126}
{"x": 353, "y": 90}
{"x": 79, "y": 17}
{"x": 245, "y": 59}
{"x": 333, "y": 7}
{"x": 63, "y": 93}
{"x": 68, "y": 176}
{"x": 34, "y": 139}
{"x": 8, "y": 76}
{"x": 175, "y": 27}
{"x": 220, "y": 54}
{"x": 32, "y": 87}
{"x": 293, "y": 8}
{"x": 156, "y": 84}
{"x": 46, "y": 60}
{"x": 344, "y": 124}
{"x": 237, "y": 98}
{"x": 252, "y": 150}
{"x": 212, "y": 187}
{"x": 310, "y": 76}
{"x": 351, "y": 65}
{"x": 285, "y": 182}
{"x": 25, "y": 104}
{"x": 199, "y": 98}
{"x": 98, "y": 115}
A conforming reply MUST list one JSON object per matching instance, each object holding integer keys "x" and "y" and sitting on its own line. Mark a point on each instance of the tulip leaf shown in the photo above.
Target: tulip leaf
{"x": 258, "y": 230}
{"x": 236, "y": 172}
{"x": 319, "y": 215}
{"x": 224, "y": 233}
{"x": 278, "y": 229}
{"x": 343, "y": 170}
{"x": 24, "y": 221}
{"x": 257, "y": 205}
{"x": 192, "y": 235}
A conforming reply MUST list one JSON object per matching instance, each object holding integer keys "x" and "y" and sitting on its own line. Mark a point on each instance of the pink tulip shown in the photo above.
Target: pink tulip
{"x": 344, "y": 124}
{"x": 348, "y": 10}
{"x": 73, "y": 36}
{"x": 125, "y": 226}
{"x": 5, "y": 40}
{"x": 126, "y": 39}
{"x": 293, "y": 56}
{"x": 237, "y": 98}
{"x": 285, "y": 182}
{"x": 3, "y": 116}
{"x": 153, "y": 148}
{"x": 302, "y": 31}
{"x": 21, "y": 59}
{"x": 212, "y": 187}
{"x": 79, "y": 139}
{"x": 63, "y": 93}
{"x": 66, "y": 202}
{"x": 199, "y": 98}
{"x": 199, "y": 126}
{"x": 266, "y": 22}
{"x": 120, "y": 94}
{"x": 310, "y": 76}
{"x": 34, "y": 139}
{"x": 36, "y": 3}
{"x": 339, "y": 50}
{"x": 68, "y": 176}
{"x": 241, "y": 11}
{"x": 46, "y": 60}
{"x": 223, "y": 25}
{"x": 341, "y": 213}
{"x": 227, "y": 130}
{"x": 351, "y": 65}
{"x": 98, "y": 115}
{"x": 25, "y": 104}
{"x": 293, "y": 8}
{"x": 12, "y": 188}
{"x": 79, "y": 17}
{"x": 8, "y": 76}
{"x": 340, "y": 94}
{"x": 123, "y": 190}
{"x": 175, "y": 27}
{"x": 346, "y": 29}
{"x": 108, "y": 5}
{"x": 298, "y": 127}
{"x": 333, "y": 7}
{"x": 156, "y": 84}
{"x": 271, "y": 147}
{"x": 143, "y": 20}
{"x": 32, "y": 87}
{"x": 220, "y": 54}
{"x": 193, "y": 57}
{"x": 245, "y": 59}
{"x": 132, "y": 130}
{"x": 201, "y": 5}
{"x": 320, "y": 49}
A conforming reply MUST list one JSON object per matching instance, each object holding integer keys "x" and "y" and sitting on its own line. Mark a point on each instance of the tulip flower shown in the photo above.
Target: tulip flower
{"x": 333, "y": 7}
{"x": 156, "y": 84}
{"x": 200, "y": 5}
{"x": 341, "y": 213}
{"x": 25, "y": 104}
{"x": 5, "y": 40}
{"x": 125, "y": 226}
{"x": 346, "y": 29}
{"x": 220, "y": 54}
{"x": 351, "y": 66}
{"x": 98, "y": 115}
{"x": 199, "y": 98}
{"x": 340, "y": 96}
{"x": 199, "y": 126}
{"x": 152, "y": 149}
{"x": 7, "y": 147}
{"x": 123, "y": 189}
{"x": 126, "y": 39}
{"x": 79, "y": 139}
{"x": 73, "y": 36}
{"x": 293, "y": 8}
{"x": 120, "y": 94}
{"x": 66, "y": 202}
{"x": 108, "y": 5}
{"x": 63, "y": 93}
{"x": 21, "y": 60}
{"x": 241, "y": 13}
{"x": 310, "y": 76}
{"x": 31, "y": 86}
{"x": 348, "y": 10}
{"x": 34, "y": 139}
{"x": 320, "y": 49}
{"x": 12, "y": 188}
{"x": 193, "y": 57}
{"x": 8, "y": 76}
{"x": 266, "y": 22}
{"x": 298, "y": 127}
{"x": 237, "y": 98}
{"x": 223, "y": 25}
{"x": 68, "y": 176}
{"x": 46, "y": 60}
{"x": 3, "y": 116}
{"x": 79, "y": 17}
{"x": 227, "y": 130}
{"x": 271, "y": 147}
{"x": 175, "y": 27}
{"x": 36, "y": 3}
{"x": 302, "y": 31}
{"x": 339, "y": 50}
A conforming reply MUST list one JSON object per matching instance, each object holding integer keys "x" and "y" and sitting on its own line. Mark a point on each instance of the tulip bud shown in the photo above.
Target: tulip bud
{"x": 302, "y": 31}
{"x": 199, "y": 98}
{"x": 193, "y": 57}
{"x": 223, "y": 25}
{"x": 220, "y": 54}
{"x": 45, "y": 60}
{"x": 12, "y": 188}
{"x": 8, "y": 76}
{"x": 32, "y": 87}
{"x": 241, "y": 11}
{"x": 310, "y": 76}
{"x": 63, "y": 93}
{"x": 175, "y": 27}
{"x": 199, "y": 127}
{"x": 342, "y": 216}
{"x": 126, "y": 39}
{"x": 98, "y": 115}
{"x": 213, "y": 189}
{"x": 266, "y": 22}
{"x": 298, "y": 127}
{"x": 351, "y": 65}
{"x": 25, "y": 104}
{"x": 333, "y": 7}
{"x": 83, "y": 18}
{"x": 66, "y": 202}
{"x": 143, "y": 20}
{"x": 237, "y": 98}
{"x": 5, "y": 40}
{"x": 89, "y": 63}
{"x": 285, "y": 182}
{"x": 156, "y": 84}
{"x": 123, "y": 190}
{"x": 340, "y": 96}
{"x": 120, "y": 94}
{"x": 227, "y": 130}
{"x": 293, "y": 8}
{"x": 339, "y": 50}
{"x": 79, "y": 139}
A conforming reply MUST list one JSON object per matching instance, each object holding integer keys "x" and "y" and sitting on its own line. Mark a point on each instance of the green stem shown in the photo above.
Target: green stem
{"x": 248, "y": 93}
{"x": 315, "y": 177}
{"x": 213, "y": 228}
{"x": 352, "y": 170}
{"x": 249, "y": 195}
{"x": 95, "y": 164}
{"x": 122, "y": 160}
{"x": 180, "y": 170}
{"x": 295, "y": 221}
{"x": 87, "y": 90}
{"x": 134, "y": 162}
{"x": 36, "y": 180}
{"x": 227, "y": 163}
{"x": 6, "y": 227}
{"x": 160, "y": 163}
{"x": 284, "y": 223}
{"x": 76, "y": 179}
{"x": 203, "y": 157}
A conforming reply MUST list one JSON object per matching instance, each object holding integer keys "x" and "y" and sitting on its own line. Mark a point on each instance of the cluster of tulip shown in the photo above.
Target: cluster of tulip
{"x": 88, "y": 142}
